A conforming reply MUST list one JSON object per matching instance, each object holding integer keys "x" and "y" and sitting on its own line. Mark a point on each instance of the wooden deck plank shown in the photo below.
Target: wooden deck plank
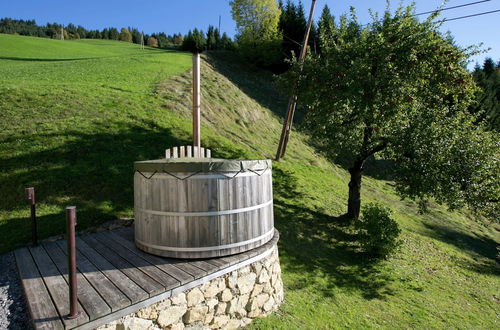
{"x": 57, "y": 287}
{"x": 91, "y": 301}
{"x": 42, "y": 310}
{"x": 108, "y": 291}
{"x": 154, "y": 272}
{"x": 127, "y": 233}
{"x": 221, "y": 264}
{"x": 205, "y": 266}
{"x": 164, "y": 264}
{"x": 133, "y": 291}
{"x": 140, "y": 278}
{"x": 185, "y": 265}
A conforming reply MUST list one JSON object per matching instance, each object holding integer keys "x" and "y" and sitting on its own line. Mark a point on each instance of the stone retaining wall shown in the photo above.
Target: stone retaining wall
{"x": 226, "y": 302}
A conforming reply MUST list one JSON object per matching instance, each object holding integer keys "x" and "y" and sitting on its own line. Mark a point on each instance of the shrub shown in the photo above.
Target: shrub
{"x": 378, "y": 231}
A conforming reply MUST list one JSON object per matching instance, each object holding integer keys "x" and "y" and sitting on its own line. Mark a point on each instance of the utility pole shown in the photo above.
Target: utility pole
{"x": 142, "y": 40}
{"x": 292, "y": 102}
{"x": 219, "y": 24}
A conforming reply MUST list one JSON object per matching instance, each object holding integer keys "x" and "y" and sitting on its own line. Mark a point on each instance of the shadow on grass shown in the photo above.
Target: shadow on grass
{"x": 476, "y": 245}
{"x": 259, "y": 87}
{"x": 319, "y": 247}
{"x": 93, "y": 171}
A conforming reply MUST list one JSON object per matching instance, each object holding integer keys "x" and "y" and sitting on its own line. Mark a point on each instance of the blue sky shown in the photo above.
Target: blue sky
{"x": 180, "y": 16}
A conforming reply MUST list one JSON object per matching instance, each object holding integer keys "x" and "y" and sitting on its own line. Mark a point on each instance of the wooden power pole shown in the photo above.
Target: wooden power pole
{"x": 196, "y": 104}
{"x": 292, "y": 102}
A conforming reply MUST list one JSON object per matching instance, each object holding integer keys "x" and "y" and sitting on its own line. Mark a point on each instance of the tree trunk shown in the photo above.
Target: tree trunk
{"x": 354, "y": 201}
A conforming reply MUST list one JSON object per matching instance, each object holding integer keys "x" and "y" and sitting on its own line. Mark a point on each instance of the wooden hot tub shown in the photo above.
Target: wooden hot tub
{"x": 202, "y": 207}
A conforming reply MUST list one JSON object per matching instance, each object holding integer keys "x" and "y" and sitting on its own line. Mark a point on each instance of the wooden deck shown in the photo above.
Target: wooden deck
{"x": 114, "y": 278}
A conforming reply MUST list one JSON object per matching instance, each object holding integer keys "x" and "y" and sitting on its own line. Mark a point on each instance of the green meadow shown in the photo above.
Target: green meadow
{"x": 75, "y": 115}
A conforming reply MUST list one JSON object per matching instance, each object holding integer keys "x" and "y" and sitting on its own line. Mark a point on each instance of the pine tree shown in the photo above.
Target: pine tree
{"x": 194, "y": 42}
{"x": 326, "y": 27}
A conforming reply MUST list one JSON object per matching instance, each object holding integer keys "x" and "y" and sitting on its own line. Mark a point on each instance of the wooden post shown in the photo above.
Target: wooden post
{"x": 292, "y": 103}
{"x": 30, "y": 196}
{"x": 196, "y": 104}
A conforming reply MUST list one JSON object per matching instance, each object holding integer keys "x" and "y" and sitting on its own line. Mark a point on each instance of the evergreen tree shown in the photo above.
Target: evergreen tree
{"x": 195, "y": 41}
{"x": 136, "y": 35}
{"x": 326, "y": 27}
{"x": 488, "y": 66}
{"x": 226, "y": 43}
{"x": 487, "y": 106}
{"x": 211, "y": 38}
{"x": 113, "y": 34}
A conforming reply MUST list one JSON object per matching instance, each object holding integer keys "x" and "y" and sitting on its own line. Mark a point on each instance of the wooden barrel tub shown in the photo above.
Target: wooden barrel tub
{"x": 202, "y": 208}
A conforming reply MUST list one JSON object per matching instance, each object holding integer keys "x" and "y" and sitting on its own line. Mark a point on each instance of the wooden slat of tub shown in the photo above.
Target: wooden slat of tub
{"x": 181, "y": 201}
{"x": 200, "y": 225}
{"x": 57, "y": 286}
{"x": 223, "y": 204}
{"x": 241, "y": 228}
{"x": 42, "y": 309}
{"x": 133, "y": 291}
{"x": 140, "y": 278}
{"x": 109, "y": 292}
{"x": 91, "y": 301}
{"x": 162, "y": 263}
{"x": 167, "y": 281}
{"x": 213, "y": 221}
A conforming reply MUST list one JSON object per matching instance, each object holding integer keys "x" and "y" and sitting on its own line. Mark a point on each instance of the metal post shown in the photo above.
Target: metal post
{"x": 30, "y": 196}
{"x": 70, "y": 225}
{"x": 196, "y": 104}
{"x": 292, "y": 103}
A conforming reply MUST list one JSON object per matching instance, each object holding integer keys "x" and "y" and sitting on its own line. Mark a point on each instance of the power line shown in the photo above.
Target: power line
{"x": 454, "y": 7}
{"x": 454, "y": 18}
{"x": 467, "y": 16}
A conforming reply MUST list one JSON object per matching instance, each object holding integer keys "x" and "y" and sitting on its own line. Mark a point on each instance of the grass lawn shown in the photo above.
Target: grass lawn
{"x": 74, "y": 115}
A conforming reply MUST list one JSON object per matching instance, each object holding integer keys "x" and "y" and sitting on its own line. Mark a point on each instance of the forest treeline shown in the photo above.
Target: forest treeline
{"x": 212, "y": 40}
{"x": 487, "y": 77}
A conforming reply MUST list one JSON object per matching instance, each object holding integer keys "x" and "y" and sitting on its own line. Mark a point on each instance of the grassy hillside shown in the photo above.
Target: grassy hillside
{"x": 73, "y": 121}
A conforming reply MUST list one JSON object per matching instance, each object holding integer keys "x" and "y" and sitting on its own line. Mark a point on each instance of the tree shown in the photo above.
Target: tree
{"x": 194, "y": 42}
{"x": 326, "y": 26}
{"x": 152, "y": 42}
{"x": 399, "y": 87}
{"x": 257, "y": 25}
{"x": 125, "y": 35}
{"x": 292, "y": 25}
{"x": 226, "y": 43}
{"x": 113, "y": 34}
{"x": 487, "y": 105}
{"x": 212, "y": 38}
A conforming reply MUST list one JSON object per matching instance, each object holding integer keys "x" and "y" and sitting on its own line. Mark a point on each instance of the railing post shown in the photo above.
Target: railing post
{"x": 70, "y": 225}
{"x": 30, "y": 196}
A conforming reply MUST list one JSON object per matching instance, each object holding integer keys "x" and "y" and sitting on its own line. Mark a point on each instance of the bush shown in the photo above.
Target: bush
{"x": 378, "y": 231}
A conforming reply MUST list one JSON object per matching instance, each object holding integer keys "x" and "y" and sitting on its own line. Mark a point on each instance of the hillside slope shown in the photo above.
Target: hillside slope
{"x": 73, "y": 128}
